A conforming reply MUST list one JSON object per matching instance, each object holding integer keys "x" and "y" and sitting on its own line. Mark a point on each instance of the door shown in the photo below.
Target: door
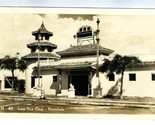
{"x": 80, "y": 83}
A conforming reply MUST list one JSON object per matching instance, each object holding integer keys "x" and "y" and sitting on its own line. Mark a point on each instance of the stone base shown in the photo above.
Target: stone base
{"x": 71, "y": 93}
{"x": 38, "y": 92}
{"x": 97, "y": 92}
{"x": 64, "y": 92}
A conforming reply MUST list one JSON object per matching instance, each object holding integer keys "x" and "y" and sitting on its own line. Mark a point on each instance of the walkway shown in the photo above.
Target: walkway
{"x": 125, "y": 102}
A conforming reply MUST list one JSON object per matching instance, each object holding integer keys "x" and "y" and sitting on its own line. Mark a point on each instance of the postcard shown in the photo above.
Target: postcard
{"x": 81, "y": 62}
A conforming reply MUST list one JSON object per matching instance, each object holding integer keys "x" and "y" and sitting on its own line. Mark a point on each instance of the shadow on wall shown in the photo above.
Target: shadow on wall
{"x": 114, "y": 91}
{"x": 55, "y": 86}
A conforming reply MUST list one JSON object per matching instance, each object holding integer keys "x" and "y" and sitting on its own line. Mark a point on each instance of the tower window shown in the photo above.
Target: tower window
{"x": 33, "y": 49}
{"x": 42, "y": 48}
{"x": 49, "y": 49}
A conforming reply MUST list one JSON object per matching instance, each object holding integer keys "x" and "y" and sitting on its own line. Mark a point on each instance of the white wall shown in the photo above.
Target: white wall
{"x": 82, "y": 58}
{"x": 105, "y": 83}
{"x": 46, "y": 80}
{"x": 142, "y": 87}
{"x": 28, "y": 74}
{"x": 49, "y": 86}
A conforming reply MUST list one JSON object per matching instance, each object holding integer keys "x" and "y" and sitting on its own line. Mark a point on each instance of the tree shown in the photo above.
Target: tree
{"x": 118, "y": 65}
{"x": 12, "y": 64}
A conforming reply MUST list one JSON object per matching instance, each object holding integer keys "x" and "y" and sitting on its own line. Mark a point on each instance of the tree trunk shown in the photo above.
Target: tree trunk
{"x": 12, "y": 87}
{"x": 121, "y": 91}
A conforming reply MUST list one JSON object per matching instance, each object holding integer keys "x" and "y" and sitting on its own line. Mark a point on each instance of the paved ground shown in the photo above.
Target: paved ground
{"x": 127, "y": 105}
{"x": 63, "y": 107}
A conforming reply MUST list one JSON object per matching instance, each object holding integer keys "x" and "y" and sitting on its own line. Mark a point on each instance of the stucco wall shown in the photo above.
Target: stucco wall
{"x": 105, "y": 83}
{"x": 47, "y": 80}
{"x": 142, "y": 87}
{"x": 28, "y": 74}
{"x": 82, "y": 58}
{"x": 49, "y": 86}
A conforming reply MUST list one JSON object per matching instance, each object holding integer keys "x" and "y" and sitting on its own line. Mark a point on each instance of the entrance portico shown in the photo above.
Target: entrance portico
{"x": 78, "y": 74}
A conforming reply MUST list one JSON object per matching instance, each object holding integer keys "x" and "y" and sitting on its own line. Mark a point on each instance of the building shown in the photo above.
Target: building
{"x": 56, "y": 74}
{"x": 76, "y": 66}
{"x": 138, "y": 81}
{"x": 41, "y": 51}
{"x": 6, "y": 79}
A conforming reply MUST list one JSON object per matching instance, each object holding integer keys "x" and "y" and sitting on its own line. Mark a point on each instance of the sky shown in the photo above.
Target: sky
{"x": 125, "y": 33}
{"x": 81, "y": 3}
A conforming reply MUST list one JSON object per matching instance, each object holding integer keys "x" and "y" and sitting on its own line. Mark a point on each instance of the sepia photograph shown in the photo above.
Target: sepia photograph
{"x": 77, "y": 61}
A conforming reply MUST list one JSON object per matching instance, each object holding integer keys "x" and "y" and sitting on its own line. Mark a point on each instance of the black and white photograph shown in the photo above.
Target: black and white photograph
{"x": 77, "y": 61}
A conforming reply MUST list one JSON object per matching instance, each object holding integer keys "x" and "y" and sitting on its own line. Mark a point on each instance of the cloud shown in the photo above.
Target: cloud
{"x": 77, "y": 16}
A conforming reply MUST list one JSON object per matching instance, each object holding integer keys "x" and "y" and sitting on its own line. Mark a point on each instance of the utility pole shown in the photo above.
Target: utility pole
{"x": 40, "y": 86}
{"x": 97, "y": 62}
{"x": 39, "y": 61}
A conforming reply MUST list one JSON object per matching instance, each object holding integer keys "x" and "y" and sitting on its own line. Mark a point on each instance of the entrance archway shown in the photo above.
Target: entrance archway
{"x": 80, "y": 83}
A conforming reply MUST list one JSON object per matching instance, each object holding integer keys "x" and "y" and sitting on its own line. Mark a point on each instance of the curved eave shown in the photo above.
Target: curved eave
{"x": 90, "y": 49}
{"x": 42, "y": 56}
{"x": 47, "y": 44}
{"x": 70, "y": 66}
{"x": 84, "y": 53}
{"x": 34, "y": 33}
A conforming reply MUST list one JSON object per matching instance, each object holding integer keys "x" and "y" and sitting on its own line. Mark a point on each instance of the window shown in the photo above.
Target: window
{"x": 33, "y": 81}
{"x": 54, "y": 78}
{"x": 33, "y": 49}
{"x": 111, "y": 77}
{"x": 153, "y": 76}
{"x": 42, "y": 48}
{"x": 8, "y": 82}
{"x": 132, "y": 77}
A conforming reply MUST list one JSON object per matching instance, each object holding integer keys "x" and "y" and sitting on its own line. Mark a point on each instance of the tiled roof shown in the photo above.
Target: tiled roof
{"x": 146, "y": 63}
{"x": 69, "y": 65}
{"x": 43, "y": 30}
{"x": 81, "y": 50}
{"x": 42, "y": 56}
{"x": 73, "y": 65}
{"x": 42, "y": 44}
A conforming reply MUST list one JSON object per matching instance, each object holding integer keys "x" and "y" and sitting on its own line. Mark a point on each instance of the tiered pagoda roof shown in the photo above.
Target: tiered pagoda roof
{"x": 42, "y": 30}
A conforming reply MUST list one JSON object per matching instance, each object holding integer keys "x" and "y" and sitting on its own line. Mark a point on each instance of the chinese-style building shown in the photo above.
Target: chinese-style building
{"x": 74, "y": 65}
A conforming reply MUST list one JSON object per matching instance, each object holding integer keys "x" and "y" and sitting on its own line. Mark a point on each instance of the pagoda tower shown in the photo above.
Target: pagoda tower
{"x": 40, "y": 54}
